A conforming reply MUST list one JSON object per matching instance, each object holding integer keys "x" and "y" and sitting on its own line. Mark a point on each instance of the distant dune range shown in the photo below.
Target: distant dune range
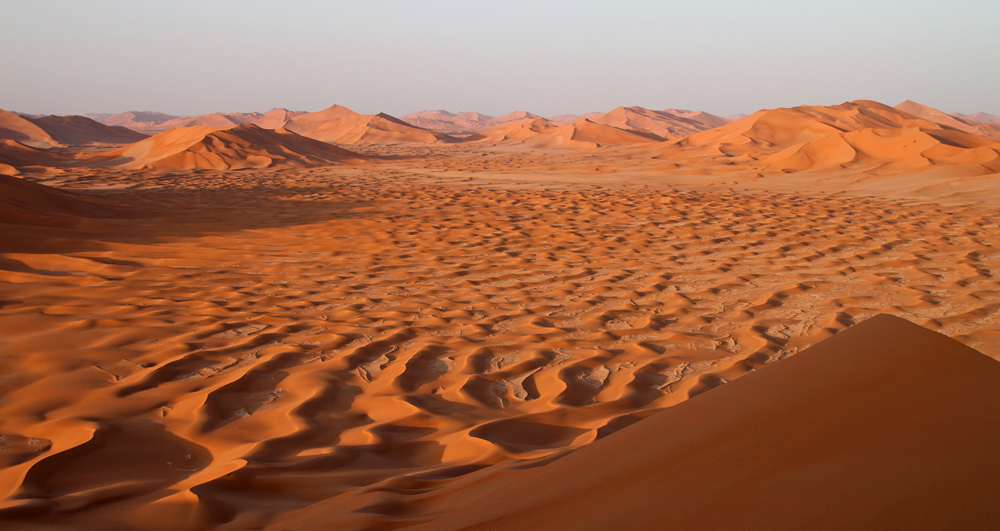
{"x": 636, "y": 319}
{"x": 855, "y": 136}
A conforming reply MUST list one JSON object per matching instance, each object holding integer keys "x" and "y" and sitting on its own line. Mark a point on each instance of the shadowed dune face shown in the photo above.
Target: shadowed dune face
{"x": 373, "y": 338}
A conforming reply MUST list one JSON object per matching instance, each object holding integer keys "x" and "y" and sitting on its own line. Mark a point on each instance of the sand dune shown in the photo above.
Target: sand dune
{"x": 141, "y": 121}
{"x": 216, "y": 120}
{"x": 16, "y": 158}
{"x": 510, "y": 117}
{"x": 342, "y": 125}
{"x": 27, "y": 204}
{"x": 861, "y": 136}
{"x": 206, "y": 148}
{"x": 981, "y": 117}
{"x": 883, "y": 426}
{"x": 660, "y": 123}
{"x": 706, "y": 119}
{"x": 79, "y": 130}
{"x": 585, "y": 133}
{"x": 988, "y": 130}
{"x": 20, "y": 129}
{"x": 541, "y": 133}
{"x": 569, "y": 118}
{"x": 516, "y": 131}
{"x": 447, "y": 122}
{"x": 276, "y": 118}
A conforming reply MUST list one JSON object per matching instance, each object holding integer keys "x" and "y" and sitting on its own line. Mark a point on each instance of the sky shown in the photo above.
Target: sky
{"x": 547, "y": 57}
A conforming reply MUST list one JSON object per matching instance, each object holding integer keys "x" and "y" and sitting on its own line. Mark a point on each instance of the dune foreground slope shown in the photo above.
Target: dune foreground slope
{"x": 532, "y": 327}
{"x": 883, "y": 426}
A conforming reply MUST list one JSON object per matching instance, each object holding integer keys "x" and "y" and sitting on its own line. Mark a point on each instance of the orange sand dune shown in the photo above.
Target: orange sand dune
{"x": 883, "y": 426}
{"x": 516, "y": 131}
{"x": 16, "y": 157}
{"x": 20, "y": 129}
{"x": 660, "y": 123}
{"x": 981, "y": 117}
{"x": 276, "y": 118}
{"x": 510, "y": 117}
{"x": 447, "y": 122}
{"x": 29, "y": 204}
{"x": 987, "y": 130}
{"x": 202, "y": 147}
{"x": 569, "y": 118}
{"x": 342, "y": 125}
{"x": 861, "y": 136}
{"x": 586, "y": 133}
{"x": 79, "y": 130}
{"x": 582, "y": 133}
{"x": 217, "y": 120}
{"x": 141, "y": 121}
{"x": 706, "y": 119}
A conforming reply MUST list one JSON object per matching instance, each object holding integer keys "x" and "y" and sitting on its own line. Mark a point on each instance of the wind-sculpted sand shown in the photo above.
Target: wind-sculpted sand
{"x": 220, "y": 349}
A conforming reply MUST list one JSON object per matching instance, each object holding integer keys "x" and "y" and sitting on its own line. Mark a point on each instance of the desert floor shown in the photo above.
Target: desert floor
{"x": 224, "y": 348}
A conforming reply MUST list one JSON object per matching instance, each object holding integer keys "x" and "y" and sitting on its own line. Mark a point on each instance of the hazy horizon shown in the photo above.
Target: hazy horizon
{"x": 723, "y": 57}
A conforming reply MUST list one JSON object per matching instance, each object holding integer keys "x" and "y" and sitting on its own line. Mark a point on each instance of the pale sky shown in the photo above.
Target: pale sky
{"x": 547, "y": 57}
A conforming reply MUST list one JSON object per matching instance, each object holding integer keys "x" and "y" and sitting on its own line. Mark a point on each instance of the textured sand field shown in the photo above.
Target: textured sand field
{"x": 217, "y": 349}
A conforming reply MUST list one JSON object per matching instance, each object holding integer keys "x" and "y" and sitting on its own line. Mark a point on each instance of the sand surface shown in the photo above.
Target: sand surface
{"x": 387, "y": 338}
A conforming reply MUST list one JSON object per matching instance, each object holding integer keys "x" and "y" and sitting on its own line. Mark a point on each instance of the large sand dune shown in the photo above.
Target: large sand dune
{"x": 987, "y": 129}
{"x": 141, "y": 121}
{"x": 206, "y": 148}
{"x": 16, "y": 157}
{"x": 20, "y": 129}
{"x": 883, "y": 426}
{"x": 448, "y": 122}
{"x": 663, "y": 124}
{"x": 342, "y": 125}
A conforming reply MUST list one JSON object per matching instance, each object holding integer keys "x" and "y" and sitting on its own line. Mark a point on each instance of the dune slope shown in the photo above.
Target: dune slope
{"x": 884, "y": 426}
{"x": 19, "y": 129}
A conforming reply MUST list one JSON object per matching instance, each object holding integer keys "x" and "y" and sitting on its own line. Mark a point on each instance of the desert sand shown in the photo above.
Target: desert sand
{"x": 787, "y": 321}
